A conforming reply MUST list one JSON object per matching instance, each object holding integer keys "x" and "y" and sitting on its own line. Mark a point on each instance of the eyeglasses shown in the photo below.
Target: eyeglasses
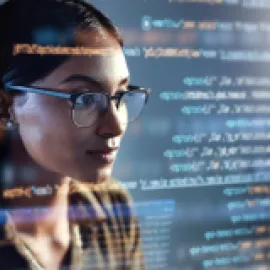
{"x": 88, "y": 107}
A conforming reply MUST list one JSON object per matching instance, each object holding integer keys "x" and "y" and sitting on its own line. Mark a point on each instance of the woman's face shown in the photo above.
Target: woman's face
{"x": 46, "y": 127}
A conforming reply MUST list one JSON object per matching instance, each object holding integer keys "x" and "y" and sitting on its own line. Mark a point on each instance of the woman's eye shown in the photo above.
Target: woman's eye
{"x": 85, "y": 100}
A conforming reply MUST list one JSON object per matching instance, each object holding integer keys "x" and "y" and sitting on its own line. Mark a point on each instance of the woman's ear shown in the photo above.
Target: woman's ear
{"x": 7, "y": 115}
{"x": 12, "y": 115}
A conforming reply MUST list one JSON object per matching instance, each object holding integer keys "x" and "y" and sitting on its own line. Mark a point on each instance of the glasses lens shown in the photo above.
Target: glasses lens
{"x": 132, "y": 103}
{"x": 88, "y": 107}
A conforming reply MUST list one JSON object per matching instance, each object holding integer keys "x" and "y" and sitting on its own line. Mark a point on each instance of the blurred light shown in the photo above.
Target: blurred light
{"x": 8, "y": 174}
{"x": 146, "y": 23}
{"x": 159, "y": 126}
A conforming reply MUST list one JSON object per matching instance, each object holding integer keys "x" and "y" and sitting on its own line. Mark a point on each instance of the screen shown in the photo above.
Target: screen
{"x": 197, "y": 161}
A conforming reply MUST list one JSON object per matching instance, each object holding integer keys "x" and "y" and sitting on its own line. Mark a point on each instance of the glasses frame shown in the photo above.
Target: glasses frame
{"x": 72, "y": 97}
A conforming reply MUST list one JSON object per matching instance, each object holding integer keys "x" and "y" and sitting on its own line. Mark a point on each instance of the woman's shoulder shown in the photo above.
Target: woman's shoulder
{"x": 109, "y": 195}
{"x": 105, "y": 199}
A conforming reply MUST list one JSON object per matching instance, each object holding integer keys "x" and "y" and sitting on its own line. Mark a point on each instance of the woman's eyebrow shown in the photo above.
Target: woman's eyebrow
{"x": 84, "y": 78}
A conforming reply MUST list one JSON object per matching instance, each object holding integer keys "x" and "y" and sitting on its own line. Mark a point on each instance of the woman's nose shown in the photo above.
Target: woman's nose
{"x": 111, "y": 124}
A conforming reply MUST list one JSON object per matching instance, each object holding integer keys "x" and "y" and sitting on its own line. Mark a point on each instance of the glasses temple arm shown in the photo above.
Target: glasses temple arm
{"x": 9, "y": 87}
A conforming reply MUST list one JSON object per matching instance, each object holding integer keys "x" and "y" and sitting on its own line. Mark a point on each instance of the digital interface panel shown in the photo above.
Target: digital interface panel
{"x": 197, "y": 162}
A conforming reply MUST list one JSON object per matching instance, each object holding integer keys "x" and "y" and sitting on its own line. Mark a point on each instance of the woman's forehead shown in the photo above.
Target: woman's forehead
{"x": 108, "y": 69}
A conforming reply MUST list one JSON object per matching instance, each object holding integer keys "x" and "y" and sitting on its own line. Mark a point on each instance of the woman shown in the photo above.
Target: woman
{"x": 66, "y": 97}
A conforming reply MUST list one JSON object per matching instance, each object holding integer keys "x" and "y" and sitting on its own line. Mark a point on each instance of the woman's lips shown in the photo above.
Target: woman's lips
{"x": 105, "y": 156}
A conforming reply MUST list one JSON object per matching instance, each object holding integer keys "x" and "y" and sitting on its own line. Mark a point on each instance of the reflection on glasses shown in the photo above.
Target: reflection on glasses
{"x": 88, "y": 107}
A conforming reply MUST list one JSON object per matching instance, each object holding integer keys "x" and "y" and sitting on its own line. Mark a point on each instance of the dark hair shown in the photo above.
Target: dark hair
{"x": 44, "y": 22}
